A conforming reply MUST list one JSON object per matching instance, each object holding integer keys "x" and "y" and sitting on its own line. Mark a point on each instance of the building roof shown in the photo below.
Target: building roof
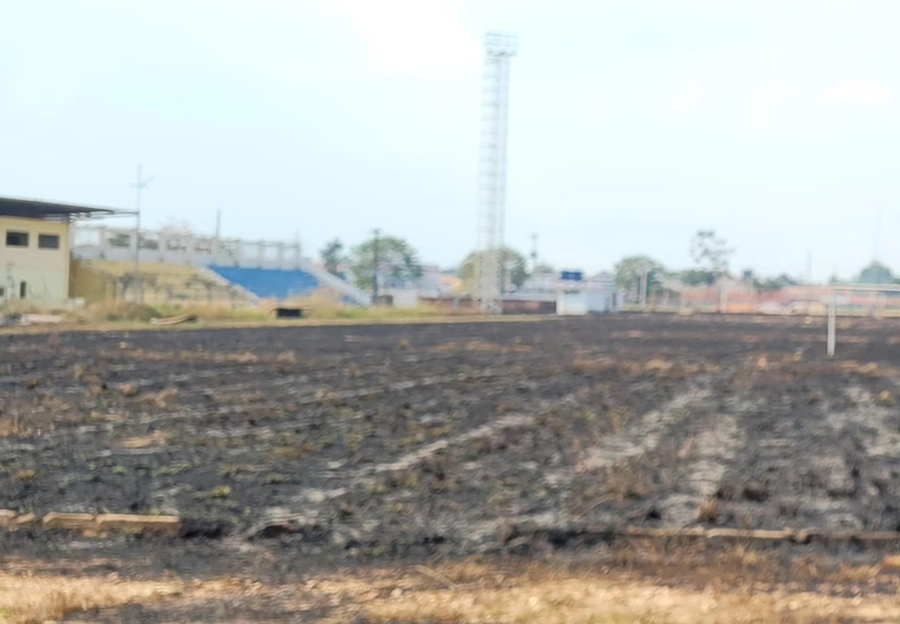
{"x": 36, "y": 209}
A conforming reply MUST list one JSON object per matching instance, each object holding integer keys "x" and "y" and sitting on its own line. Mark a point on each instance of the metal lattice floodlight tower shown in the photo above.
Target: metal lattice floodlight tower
{"x": 498, "y": 50}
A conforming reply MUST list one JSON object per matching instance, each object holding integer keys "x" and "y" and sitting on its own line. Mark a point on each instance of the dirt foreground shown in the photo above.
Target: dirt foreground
{"x": 634, "y": 583}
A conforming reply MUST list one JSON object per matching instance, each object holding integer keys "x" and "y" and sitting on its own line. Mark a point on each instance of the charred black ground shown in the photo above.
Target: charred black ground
{"x": 404, "y": 440}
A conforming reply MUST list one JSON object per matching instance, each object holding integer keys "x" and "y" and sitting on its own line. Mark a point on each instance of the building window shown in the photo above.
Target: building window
{"x": 23, "y": 290}
{"x": 16, "y": 239}
{"x": 48, "y": 241}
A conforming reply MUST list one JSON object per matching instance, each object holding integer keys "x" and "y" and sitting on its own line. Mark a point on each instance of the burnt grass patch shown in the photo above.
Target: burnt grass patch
{"x": 409, "y": 440}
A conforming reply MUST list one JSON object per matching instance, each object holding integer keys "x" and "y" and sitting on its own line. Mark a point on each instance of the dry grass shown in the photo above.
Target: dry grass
{"x": 625, "y": 480}
{"x": 481, "y": 346}
{"x": 35, "y": 599}
{"x": 161, "y": 399}
{"x": 659, "y": 367}
{"x": 870, "y": 369}
{"x": 857, "y": 574}
{"x": 10, "y": 426}
{"x": 255, "y": 318}
{"x": 123, "y": 311}
{"x": 628, "y": 334}
{"x": 157, "y": 438}
{"x": 708, "y": 511}
{"x": 245, "y": 357}
{"x": 481, "y": 594}
{"x": 470, "y": 593}
{"x": 325, "y": 305}
{"x": 657, "y": 364}
{"x": 130, "y": 389}
{"x": 287, "y": 357}
{"x": 586, "y": 365}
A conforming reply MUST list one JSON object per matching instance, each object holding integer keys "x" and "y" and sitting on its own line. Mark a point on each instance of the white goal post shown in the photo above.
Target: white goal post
{"x": 833, "y": 304}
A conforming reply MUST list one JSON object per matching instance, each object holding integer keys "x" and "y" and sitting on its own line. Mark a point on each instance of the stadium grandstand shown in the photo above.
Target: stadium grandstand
{"x": 182, "y": 267}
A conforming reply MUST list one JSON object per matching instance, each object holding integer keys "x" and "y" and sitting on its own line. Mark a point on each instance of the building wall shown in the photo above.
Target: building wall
{"x": 586, "y": 302}
{"x": 45, "y": 272}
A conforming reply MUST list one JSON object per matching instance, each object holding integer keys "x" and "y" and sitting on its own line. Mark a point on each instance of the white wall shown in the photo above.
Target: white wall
{"x": 403, "y": 298}
{"x": 101, "y": 242}
{"x": 586, "y": 302}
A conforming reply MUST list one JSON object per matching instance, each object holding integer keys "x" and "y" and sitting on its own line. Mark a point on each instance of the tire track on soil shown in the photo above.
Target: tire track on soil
{"x": 641, "y": 437}
{"x": 711, "y": 449}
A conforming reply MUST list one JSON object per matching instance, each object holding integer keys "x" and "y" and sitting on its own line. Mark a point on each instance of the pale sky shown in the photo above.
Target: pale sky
{"x": 632, "y": 122}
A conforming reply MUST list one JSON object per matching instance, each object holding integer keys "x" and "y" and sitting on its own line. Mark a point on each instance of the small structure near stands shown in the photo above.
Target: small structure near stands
{"x": 406, "y": 298}
{"x": 34, "y": 248}
{"x": 582, "y": 303}
{"x": 577, "y": 299}
{"x": 288, "y": 312}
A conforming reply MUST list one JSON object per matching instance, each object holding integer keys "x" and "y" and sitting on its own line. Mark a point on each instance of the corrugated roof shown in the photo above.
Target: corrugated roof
{"x": 36, "y": 209}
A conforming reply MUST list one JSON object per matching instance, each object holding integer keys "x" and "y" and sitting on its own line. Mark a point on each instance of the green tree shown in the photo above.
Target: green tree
{"x": 876, "y": 273}
{"x": 398, "y": 261}
{"x": 775, "y": 283}
{"x": 514, "y": 266}
{"x": 697, "y": 277}
{"x": 332, "y": 256}
{"x": 631, "y": 269}
{"x": 710, "y": 250}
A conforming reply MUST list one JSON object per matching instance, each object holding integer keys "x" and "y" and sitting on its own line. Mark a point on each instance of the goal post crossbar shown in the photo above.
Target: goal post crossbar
{"x": 832, "y": 306}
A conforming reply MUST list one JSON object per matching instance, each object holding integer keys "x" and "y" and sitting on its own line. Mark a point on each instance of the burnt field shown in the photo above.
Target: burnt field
{"x": 406, "y": 440}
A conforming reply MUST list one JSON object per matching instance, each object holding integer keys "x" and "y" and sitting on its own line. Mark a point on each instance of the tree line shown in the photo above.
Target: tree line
{"x": 712, "y": 255}
{"x": 399, "y": 264}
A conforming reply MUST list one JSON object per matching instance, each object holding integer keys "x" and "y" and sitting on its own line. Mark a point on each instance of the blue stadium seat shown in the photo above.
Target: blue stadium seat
{"x": 269, "y": 283}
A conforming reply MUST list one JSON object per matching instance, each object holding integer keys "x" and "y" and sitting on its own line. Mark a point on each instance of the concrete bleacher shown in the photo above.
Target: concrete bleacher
{"x": 160, "y": 283}
{"x": 270, "y": 283}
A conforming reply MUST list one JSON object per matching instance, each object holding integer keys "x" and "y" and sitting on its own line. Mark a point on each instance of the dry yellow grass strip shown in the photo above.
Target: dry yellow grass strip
{"x": 598, "y": 600}
{"x": 28, "y": 598}
{"x": 33, "y": 599}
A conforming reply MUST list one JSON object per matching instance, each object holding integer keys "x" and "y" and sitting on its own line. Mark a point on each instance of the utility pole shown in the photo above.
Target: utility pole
{"x": 534, "y": 252}
{"x": 218, "y": 224}
{"x": 809, "y": 275}
{"x": 877, "y": 234}
{"x": 375, "y": 262}
{"x": 832, "y": 322}
{"x": 139, "y": 185}
{"x": 645, "y": 286}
